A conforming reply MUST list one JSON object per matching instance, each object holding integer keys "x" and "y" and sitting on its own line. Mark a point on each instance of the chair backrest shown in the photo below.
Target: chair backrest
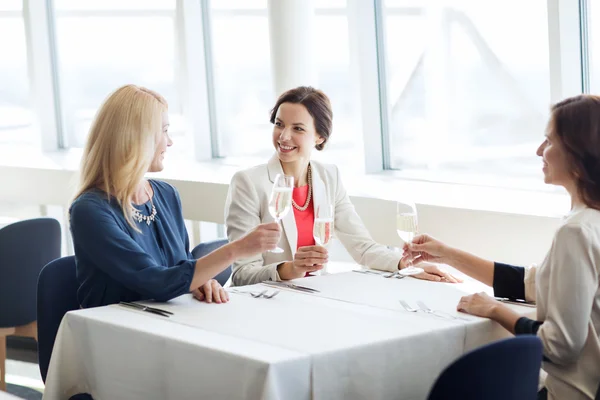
{"x": 57, "y": 295}
{"x": 507, "y": 369}
{"x": 208, "y": 247}
{"x": 25, "y": 247}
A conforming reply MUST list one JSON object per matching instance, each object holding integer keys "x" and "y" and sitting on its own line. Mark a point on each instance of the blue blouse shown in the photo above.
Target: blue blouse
{"x": 115, "y": 263}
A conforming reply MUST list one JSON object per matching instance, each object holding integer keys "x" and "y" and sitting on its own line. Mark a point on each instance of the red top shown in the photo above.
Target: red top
{"x": 304, "y": 219}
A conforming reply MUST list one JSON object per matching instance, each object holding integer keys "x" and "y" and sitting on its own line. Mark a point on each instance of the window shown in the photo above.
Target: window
{"x": 345, "y": 147}
{"x": 244, "y": 81}
{"x": 16, "y": 117}
{"x": 594, "y": 46}
{"x": 468, "y": 88}
{"x": 103, "y": 45}
{"x": 242, "y": 77}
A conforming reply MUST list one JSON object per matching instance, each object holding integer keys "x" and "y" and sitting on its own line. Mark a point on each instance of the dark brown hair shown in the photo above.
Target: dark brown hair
{"x": 576, "y": 122}
{"x": 317, "y": 104}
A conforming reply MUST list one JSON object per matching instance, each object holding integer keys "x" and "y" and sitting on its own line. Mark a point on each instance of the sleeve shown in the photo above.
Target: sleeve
{"x": 572, "y": 285}
{"x": 509, "y": 281}
{"x": 98, "y": 236}
{"x": 242, "y": 214}
{"x": 514, "y": 282}
{"x": 181, "y": 223}
{"x": 355, "y": 237}
{"x": 527, "y": 326}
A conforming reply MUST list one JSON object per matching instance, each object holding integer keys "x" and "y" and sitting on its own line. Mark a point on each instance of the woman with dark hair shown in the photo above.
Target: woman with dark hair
{"x": 302, "y": 120}
{"x": 565, "y": 286}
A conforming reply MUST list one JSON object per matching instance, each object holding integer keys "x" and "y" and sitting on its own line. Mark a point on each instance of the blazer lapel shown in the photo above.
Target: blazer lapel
{"x": 274, "y": 168}
{"x": 319, "y": 191}
{"x": 289, "y": 221}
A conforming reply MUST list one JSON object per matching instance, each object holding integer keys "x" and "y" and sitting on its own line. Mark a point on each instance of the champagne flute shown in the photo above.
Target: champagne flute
{"x": 280, "y": 201}
{"x": 407, "y": 228}
{"x": 323, "y": 226}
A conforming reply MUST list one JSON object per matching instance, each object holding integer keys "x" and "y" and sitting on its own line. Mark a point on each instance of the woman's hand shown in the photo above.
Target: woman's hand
{"x": 211, "y": 291}
{"x": 434, "y": 273}
{"x": 479, "y": 304}
{"x": 262, "y": 238}
{"x": 307, "y": 259}
{"x": 425, "y": 248}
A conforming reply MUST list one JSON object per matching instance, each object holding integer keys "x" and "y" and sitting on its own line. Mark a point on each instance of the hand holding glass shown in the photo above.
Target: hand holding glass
{"x": 407, "y": 227}
{"x": 280, "y": 201}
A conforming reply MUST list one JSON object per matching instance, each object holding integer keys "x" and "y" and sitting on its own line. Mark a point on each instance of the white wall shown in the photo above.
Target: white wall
{"x": 519, "y": 239}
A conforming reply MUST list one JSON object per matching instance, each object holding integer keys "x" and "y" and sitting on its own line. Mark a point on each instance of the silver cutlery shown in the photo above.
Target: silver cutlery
{"x": 257, "y": 295}
{"x": 367, "y": 271}
{"x": 152, "y": 310}
{"x": 264, "y": 294}
{"x": 270, "y": 296}
{"x": 395, "y": 274}
{"x": 441, "y": 314}
{"x": 290, "y": 285}
{"x": 407, "y": 307}
{"x": 424, "y": 307}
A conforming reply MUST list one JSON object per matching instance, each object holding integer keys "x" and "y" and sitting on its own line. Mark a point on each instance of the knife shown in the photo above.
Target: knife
{"x": 291, "y": 286}
{"x": 152, "y": 310}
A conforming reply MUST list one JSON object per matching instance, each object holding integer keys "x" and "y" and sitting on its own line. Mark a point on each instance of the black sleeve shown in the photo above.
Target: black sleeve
{"x": 526, "y": 326}
{"x": 509, "y": 281}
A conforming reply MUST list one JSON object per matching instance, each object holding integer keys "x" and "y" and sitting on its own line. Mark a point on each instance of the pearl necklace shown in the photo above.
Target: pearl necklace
{"x": 139, "y": 217}
{"x": 306, "y": 204}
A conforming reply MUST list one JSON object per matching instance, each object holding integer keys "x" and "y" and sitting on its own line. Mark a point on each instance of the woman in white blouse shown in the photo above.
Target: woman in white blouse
{"x": 565, "y": 286}
{"x": 302, "y": 120}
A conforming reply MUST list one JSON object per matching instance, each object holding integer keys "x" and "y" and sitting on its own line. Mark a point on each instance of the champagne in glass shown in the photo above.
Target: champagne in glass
{"x": 280, "y": 201}
{"x": 323, "y": 226}
{"x": 407, "y": 228}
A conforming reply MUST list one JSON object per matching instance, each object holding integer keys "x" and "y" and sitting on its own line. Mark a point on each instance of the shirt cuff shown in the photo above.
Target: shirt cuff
{"x": 274, "y": 273}
{"x": 509, "y": 281}
{"x": 526, "y": 326}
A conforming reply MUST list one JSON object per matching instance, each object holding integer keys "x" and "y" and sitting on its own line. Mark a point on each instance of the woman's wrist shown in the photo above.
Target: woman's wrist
{"x": 283, "y": 269}
{"x": 452, "y": 256}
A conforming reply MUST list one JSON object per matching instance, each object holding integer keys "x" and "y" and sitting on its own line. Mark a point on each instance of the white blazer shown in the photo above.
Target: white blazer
{"x": 247, "y": 206}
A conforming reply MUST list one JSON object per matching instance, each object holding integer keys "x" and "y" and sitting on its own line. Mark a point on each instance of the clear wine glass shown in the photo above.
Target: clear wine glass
{"x": 280, "y": 201}
{"x": 407, "y": 228}
{"x": 323, "y": 226}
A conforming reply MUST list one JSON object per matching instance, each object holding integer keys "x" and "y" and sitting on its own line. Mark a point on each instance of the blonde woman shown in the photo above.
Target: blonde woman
{"x": 128, "y": 232}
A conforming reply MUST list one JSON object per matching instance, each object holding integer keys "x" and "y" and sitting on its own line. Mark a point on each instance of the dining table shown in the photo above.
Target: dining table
{"x": 352, "y": 333}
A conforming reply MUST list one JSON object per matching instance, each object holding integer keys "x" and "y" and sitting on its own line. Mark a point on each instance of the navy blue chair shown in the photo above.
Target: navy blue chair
{"x": 208, "y": 247}
{"x": 57, "y": 295}
{"x": 25, "y": 247}
{"x": 506, "y": 369}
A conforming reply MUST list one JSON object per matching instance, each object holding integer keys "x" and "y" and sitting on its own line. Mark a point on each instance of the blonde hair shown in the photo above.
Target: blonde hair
{"x": 121, "y": 144}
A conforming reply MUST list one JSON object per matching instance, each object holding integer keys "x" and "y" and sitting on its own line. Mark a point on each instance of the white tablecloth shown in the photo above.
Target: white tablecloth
{"x": 352, "y": 340}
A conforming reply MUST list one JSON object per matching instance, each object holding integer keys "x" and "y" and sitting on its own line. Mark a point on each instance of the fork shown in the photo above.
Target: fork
{"x": 270, "y": 296}
{"x": 257, "y": 295}
{"x": 407, "y": 307}
{"x": 424, "y": 307}
{"x": 392, "y": 275}
{"x": 441, "y": 314}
